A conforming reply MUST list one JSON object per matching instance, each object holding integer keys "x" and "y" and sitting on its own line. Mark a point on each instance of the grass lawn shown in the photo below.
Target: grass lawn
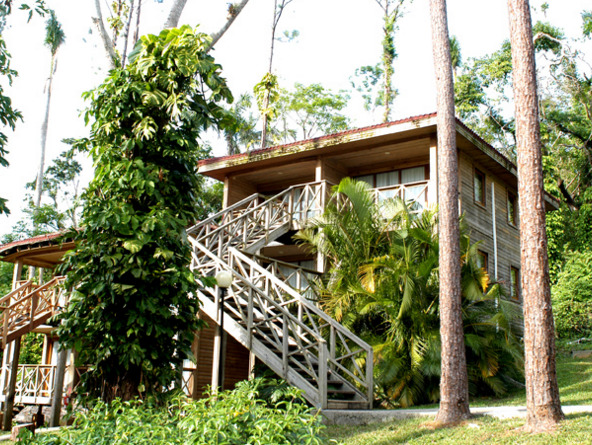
{"x": 575, "y": 387}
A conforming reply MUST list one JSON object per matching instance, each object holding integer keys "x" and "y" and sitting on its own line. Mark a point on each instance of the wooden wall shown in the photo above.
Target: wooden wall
{"x": 480, "y": 219}
{"x": 236, "y": 359}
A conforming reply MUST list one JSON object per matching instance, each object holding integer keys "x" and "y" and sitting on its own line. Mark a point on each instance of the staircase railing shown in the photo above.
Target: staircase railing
{"x": 27, "y": 306}
{"x": 250, "y": 220}
{"x": 307, "y": 343}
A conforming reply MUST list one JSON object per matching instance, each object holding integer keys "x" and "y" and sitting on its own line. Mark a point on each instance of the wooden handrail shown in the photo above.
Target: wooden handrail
{"x": 9, "y": 295}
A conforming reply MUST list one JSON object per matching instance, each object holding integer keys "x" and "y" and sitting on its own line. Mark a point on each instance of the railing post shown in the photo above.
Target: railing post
{"x": 285, "y": 345}
{"x": 291, "y": 205}
{"x": 332, "y": 344}
{"x": 370, "y": 376}
{"x": 250, "y": 318}
{"x": 323, "y": 374}
{"x": 34, "y": 303}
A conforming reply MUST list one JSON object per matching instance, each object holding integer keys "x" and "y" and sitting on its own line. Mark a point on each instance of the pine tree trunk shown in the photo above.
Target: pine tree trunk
{"x": 454, "y": 388}
{"x": 542, "y": 393}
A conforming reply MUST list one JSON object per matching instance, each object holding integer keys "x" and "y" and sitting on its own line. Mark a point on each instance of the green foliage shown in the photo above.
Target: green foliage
{"x": 364, "y": 81}
{"x": 572, "y": 297}
{"x": 587, "y": 23}
{"x": 235, "y": 417}
{"x": 61, "y": 183}
{"x": 9, "y": 116}
{"x": 240, "y": 417}
{"x": 382, "y": 283}
{"x": 133, "y": 314}
{"x": 267, "y": 94}
{"x": 314, "y": 110}
{"x": 6, "y": 270}
{"x": 31, "y": 349}
{"x": 54, "y": 34}
{"x": 241, "y": 132}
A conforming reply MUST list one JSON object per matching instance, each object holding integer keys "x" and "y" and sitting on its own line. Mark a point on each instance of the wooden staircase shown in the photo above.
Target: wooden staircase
{"x": 272, "y": 319}
{"x": 29, "y": 306}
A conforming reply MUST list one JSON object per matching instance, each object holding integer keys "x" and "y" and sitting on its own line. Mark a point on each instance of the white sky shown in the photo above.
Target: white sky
{"x": 336, "y": 37}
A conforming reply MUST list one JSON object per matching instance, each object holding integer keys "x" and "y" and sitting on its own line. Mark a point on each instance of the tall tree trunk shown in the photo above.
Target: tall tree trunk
{"x": 175, "y": 14}
{"x": 542, "y": 394}
{"x": 454, "y": 387}
{"x": 44, "y": 127}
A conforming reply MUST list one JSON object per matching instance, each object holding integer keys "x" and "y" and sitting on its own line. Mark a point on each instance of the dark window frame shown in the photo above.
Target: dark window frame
{"x": 485, "y": 256}
{"x": 512, "y": 199}
{"x": 514, "y": 283}
{"x": 479, "y": 174}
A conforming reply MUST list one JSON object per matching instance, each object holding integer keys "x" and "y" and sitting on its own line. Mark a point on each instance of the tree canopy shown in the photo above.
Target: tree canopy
{"x": 133, "y": 312}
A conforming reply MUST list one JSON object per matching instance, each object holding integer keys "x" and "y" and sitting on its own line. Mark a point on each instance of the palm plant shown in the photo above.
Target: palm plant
{"x": 382, "y": 282}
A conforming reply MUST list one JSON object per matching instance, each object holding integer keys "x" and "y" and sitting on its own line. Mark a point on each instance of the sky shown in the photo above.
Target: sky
{"x": 336, "y": 37}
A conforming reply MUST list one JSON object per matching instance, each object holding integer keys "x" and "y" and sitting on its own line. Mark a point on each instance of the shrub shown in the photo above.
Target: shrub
{"x": 235, "y": 417}
{"x": 572, "y": 297}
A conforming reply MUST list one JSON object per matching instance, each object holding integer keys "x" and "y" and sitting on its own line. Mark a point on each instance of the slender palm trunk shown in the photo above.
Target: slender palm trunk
{"x": 44, "y": 127}
{"x": 542, "y": 394}
{"x": 454, "y": 388}
{"x": 266, "y": 99}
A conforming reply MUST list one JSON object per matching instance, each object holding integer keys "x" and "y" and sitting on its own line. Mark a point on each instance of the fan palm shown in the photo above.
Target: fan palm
{"x": 382, "y": 282}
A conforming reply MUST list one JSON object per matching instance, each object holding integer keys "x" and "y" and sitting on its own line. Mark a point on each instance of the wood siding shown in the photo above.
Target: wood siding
{"x": 236, "y": 360}
{"x": 479, "y": 219}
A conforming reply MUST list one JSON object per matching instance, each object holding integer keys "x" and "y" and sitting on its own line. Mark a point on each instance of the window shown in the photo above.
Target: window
{"x": 512, "y": 209}
{"x": 482, "y": 260}
{"x": 388, "y": 184}
{"x": 479, "y": 187}
{"x": 514, "y": 283}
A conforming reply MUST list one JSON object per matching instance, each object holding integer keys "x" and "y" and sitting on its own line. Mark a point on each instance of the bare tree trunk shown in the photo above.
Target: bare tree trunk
{"x": 175, "y": 14}
{"x": 232, "y": 15}
{"x": 107, "y": 43}
{"x": 138, "y": 15}
{"x": 44, "y": 127}
{"x": 454, "y": 388}
{"x": 126, "y": 33}
{"x": 542, "y": 393}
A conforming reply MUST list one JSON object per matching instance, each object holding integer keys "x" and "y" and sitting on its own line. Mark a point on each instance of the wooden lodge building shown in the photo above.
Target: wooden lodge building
{"x": 267, "y": 317}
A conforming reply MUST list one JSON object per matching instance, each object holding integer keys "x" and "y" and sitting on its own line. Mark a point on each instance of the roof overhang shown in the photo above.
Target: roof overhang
{"x": 377, "y": 135}
{"x": 40, "y": 251}
{"x": 221, "y": 167}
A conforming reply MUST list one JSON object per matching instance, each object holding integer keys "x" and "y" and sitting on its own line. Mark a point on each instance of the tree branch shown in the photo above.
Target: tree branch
{"x": 233, "y": 14}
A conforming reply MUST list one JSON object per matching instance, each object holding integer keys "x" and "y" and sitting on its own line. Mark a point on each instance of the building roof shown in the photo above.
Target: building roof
{"x": 283, "y": 157}
{"x": 39, "y": 251}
